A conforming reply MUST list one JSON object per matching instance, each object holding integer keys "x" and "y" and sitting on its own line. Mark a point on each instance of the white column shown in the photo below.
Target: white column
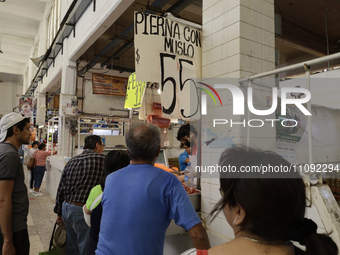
{"x": 68, "y": 87}
{"x": 41, "y": 109}
{"x": 238, "y": 40}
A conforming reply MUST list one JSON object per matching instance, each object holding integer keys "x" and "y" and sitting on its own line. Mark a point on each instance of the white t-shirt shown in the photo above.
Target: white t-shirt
{"x": 31, "y": 151}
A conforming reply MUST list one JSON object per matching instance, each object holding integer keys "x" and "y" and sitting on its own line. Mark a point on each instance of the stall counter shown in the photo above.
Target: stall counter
{"x": 54, "y": 168}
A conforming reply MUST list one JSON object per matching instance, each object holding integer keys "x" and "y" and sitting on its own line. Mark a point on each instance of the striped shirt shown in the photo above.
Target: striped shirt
{"x": 80, "y": 175}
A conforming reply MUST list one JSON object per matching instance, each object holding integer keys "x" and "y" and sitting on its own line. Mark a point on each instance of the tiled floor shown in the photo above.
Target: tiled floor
{"x": 41, "y": 219}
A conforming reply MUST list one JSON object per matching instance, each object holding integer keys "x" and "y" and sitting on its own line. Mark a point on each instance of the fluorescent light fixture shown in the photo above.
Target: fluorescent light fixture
{"x": 101, "y": 132}
{"x": 41, "y": 126}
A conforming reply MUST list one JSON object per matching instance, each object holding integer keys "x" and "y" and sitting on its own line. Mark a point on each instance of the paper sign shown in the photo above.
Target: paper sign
{"x": 26, "y": 106}
{"x": 108, "y": 85}
{"x": 169, "y": 52}
{"x": 134, "y": 93}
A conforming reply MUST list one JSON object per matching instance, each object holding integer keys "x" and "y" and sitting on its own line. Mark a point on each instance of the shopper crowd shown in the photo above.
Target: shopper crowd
{"x": 122, "y": 204}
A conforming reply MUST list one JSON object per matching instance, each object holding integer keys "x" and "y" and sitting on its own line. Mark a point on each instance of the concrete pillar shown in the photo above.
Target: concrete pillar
{"x": 41, "y": 109}
{"x": 67, "y": 92}
{"x": 238, "y": 41}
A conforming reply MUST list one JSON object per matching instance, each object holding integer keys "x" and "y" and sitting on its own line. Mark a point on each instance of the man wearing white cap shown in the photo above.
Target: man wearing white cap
{"x": 14, "y": 131}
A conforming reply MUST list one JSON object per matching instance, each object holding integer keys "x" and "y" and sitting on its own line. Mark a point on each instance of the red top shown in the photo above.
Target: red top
{"x": 202, "y": 252}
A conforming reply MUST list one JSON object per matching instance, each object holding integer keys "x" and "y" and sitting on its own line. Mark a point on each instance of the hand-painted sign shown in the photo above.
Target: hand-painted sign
{"x": 135, "y": 91}
{"x": 108, "y": 85}
{"x": 169, "y": 53}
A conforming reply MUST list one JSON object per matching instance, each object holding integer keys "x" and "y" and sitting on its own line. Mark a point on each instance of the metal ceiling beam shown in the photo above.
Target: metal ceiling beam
{"x": 120, "y": 68}
{"x": 120, "y": 51}
{"x": 174, "y": 9}
{"x": 127, "y": 33}
{"x": 76, "y": 10}
{"x": 179, "y": 6}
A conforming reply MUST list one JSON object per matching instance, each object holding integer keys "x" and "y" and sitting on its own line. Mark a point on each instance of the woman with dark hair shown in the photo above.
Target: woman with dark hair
{"x": 114, "y": 161}
{"x": 40, "y": 167}
{"x": 265, "y": 210}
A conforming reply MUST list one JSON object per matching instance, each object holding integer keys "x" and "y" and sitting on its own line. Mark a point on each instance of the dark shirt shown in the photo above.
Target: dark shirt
{"x": 11, "y": 169}
{"x": 96, "y": 217}
{"x": 80, "y": 175}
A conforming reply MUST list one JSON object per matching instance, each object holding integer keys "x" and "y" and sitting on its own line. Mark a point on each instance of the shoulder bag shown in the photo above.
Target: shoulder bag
{"x": 31, "y": 162}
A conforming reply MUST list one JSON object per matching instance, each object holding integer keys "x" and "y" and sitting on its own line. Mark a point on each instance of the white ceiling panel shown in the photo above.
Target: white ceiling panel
{"x": 19, "y": 26}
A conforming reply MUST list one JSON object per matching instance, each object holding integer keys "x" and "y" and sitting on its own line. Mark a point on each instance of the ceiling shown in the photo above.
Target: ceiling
{"x": 19, "y": 25}
{"x": 303, "y": 33}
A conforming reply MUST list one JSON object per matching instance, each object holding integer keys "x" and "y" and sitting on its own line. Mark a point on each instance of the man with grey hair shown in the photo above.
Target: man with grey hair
{"x": 140, "y": 200}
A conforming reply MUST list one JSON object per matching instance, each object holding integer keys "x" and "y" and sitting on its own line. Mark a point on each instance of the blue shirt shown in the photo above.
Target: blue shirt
{"x": 139, "y": 202}
{"x": 181, "y": 159}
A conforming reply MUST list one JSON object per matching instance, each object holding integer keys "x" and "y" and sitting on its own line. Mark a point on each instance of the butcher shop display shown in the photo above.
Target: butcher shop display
{"x": 190, "y": 190}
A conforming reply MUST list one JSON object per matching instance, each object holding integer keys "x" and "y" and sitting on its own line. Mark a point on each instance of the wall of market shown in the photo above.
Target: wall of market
{"x": 9, "y": 98}
{"x": 325, "y": 118}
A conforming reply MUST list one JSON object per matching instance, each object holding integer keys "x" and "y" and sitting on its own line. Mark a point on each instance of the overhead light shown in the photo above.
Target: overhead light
{"x": 2, "y": 0}
{"x": 1, "y": 50}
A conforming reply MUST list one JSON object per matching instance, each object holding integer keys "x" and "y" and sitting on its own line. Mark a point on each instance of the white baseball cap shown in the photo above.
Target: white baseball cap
{"x": 8, "y": 121}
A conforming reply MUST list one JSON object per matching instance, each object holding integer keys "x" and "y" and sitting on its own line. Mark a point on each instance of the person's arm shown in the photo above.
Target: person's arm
{"x": 6, "y": 188}
{"x": 60, "y": 220}
{"x": 47, "y": 153}
{"x": 187, "y": 160}
{"x": 184, "y": 214}
{"x": 199, "y": 237}
{"x": 86, "y": 210}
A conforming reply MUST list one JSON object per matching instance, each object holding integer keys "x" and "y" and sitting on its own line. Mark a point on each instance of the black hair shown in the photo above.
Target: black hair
{"x": 35, "y": 143}
{"x": 20, "y": 125}
{"x": 143, "y": 142}
{"x": 185, "y": 130}
{"x": 91, "y": 141}
{"x": 114, "y": 161}
{"x": 41, "y": 146}
{"x": 275, "y": 207}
